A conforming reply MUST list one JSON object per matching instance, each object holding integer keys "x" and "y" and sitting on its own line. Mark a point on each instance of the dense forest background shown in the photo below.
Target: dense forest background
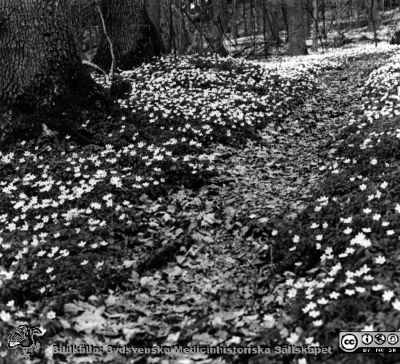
{"x": 109, "y": 36}
{"x": 253, "y": 27}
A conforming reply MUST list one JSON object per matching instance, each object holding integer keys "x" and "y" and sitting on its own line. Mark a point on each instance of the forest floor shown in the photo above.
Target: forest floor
{"x": 268, "y": 244}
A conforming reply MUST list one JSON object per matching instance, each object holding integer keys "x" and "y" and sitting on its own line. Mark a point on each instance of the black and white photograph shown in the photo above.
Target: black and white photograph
{"x": 199, "y": 181}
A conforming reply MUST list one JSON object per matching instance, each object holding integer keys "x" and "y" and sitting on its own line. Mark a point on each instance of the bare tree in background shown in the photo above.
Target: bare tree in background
{"x": 233, "y": 21}
{"x": 338, "y": 19}
{"x": 323, "y": 18}
{"x": 373, "y": 17}
{"x": 315, "y": 25}
{"x": 219, "y": 25}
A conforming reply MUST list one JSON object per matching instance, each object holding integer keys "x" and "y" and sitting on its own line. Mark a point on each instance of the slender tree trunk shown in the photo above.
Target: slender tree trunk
{"x": 253, "y": 23}
{"x": 307, "y": 23}
{"x": 219, "y": 26}
{"x": 264, "y": 12}
{"x": 339, "y": 18}
{"x": 234, "y": 21}
{"x": 41, "y": 73}
{"x": 297, "y": 37}
{"x": 276, "y": 25}
{"x": 184, "y": 34}
{"x": 285, "y": 20}
{"x": 350, "y": 9}
{"x": 271, "y": 20}
{"x": 134, "y": 37}
{"x": 323, "y": 10}
{"x": 172, "y": 35}
{"x": 259, "y": 12}
{"x": 315, "y": 25}
{"x": 373, "y": 15}
{"x": 244, "y": 18}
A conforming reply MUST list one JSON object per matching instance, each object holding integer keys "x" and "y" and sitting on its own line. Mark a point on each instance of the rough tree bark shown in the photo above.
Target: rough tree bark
{"x": 41, "y": 72}
{"x": 297, "y": 36}
{"x": 154, "y": 10}
{"x": 134, "y": 36}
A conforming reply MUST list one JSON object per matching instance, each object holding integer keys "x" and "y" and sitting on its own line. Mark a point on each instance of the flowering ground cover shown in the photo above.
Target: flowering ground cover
{"x": 74, "y": 221}
{"x": 342, "y": 271}
{"x": 83, "y": 229}
{"x": 66, "y": 207}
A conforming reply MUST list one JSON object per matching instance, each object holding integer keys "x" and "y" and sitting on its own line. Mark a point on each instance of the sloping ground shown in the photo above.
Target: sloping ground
{"x": 70, "y": 212}
{"x": 229, "y": 295}
{"x": 219, "y": 272}
{"x": 385, "y": 31}
{"x": 78, "y": 222}
{"x": 342, "y": 271}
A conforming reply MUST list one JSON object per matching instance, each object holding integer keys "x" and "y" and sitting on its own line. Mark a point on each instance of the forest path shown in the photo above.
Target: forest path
{"x": 217, "y": 290}
{"x": 210, "y": 295}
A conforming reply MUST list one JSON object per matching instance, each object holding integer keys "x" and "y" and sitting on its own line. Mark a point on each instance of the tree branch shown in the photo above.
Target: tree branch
{"x": 95, "y": 66}
{"x": 98, "y": 8}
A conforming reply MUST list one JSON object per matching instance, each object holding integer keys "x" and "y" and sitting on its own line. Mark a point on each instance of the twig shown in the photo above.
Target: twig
{"x": 112, "y": 69}
{"x": 95, "y": 66}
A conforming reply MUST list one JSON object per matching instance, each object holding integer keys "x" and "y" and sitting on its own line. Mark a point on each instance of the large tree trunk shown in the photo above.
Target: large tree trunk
{"x": 134, "y": 37}
{"x": 154, "y": 11}
{"x": 40, "y": 70}
{"x": 297, "y": 37}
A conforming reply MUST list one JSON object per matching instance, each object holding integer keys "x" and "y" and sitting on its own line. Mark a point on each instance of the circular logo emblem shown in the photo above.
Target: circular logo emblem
{"x": 349, "y": 342}
{"x": 367, "y": 339}
{"x": 380, "y": 339}
{"x": 392, "y": 339}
